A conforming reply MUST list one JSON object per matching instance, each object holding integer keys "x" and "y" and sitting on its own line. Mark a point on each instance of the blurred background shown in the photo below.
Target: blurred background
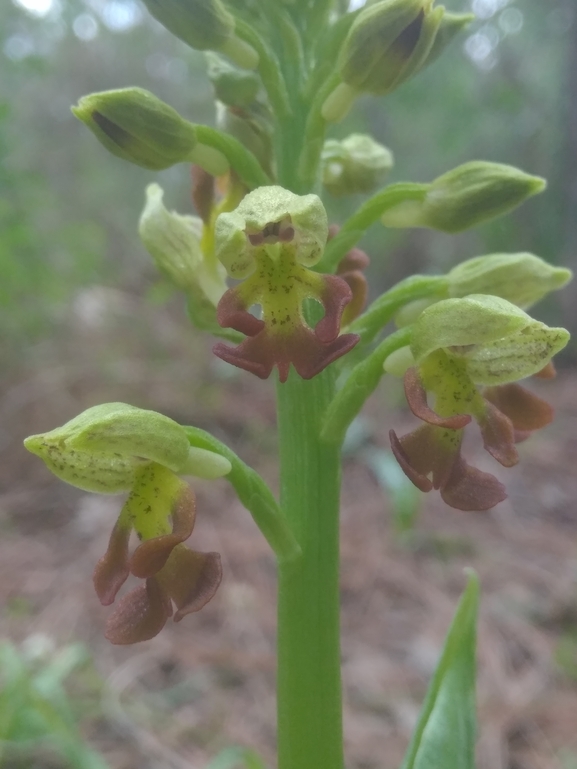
{"x": 85, "y": 319}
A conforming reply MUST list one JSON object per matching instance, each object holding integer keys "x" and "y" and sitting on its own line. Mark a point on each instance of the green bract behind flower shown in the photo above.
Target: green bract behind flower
{"x": 498, "y": 341}
{"x": 276, "y": 215}
{"x": 135, "y": 125}
{"x": 355, "y": 164}
{"x": 466, "y": 196}
{"x": 523, "y": 279}
{"x": 102, "y": 448}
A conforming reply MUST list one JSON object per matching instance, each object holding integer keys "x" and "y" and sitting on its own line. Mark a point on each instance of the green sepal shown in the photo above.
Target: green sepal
{"x": 523, "y": 279}
{"x": 444, "y": 737}
{"x": 135, "y": 125}
{"x": 498, "y": 342}
{"x": 100, "y": 449}
{"x": 268, "y": 205}
{"x": 254, "y": 494}
{"x": 452, "y": 24}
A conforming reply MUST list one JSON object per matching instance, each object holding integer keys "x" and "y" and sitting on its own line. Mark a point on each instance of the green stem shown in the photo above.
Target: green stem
{"x": 361, "y": 383}
{"x": 242, "y": 160}
{"x": 309, "y": 681}
{"x": 383, "y": 309}
{"x": 356, "y": 225}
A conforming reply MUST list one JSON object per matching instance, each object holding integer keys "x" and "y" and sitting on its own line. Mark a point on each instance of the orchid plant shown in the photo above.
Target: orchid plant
{"x": 284, "y": 73}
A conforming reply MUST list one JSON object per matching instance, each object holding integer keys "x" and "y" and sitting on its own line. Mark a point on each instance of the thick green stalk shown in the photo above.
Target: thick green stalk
{"x": 309, "y": 680}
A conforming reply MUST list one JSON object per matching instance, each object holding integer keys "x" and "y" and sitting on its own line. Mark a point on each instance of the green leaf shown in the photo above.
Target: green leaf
{"x": 254, "y": 494}
{"x": 445, "y": 734}
{"x": 237, "y": 758}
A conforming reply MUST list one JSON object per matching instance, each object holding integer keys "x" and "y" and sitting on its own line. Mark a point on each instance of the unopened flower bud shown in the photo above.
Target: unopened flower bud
{"x": 103, "y": 448}
{"x": 173, "y": 241}
{"x": 232, "y": 86}
{"x": 523, "y": 279}
{"x": 355, "y": 164}
{"x": 466, "y": 196}
{"x": 498, "y": 342}
{"x": 451, "y": 25}
{"x": 137, "y": 126}
{"x": 387, "y": 44}
{"x": 205, "y": 25}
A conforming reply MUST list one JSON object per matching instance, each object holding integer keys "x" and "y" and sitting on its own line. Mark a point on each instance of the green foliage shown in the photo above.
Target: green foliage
{"x": 36, "y": 710}
{"x": 445, "y": 734}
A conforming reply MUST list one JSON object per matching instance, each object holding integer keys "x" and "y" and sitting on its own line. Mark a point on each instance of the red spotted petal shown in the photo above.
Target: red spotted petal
{"x": 526, "y": 411}
{"x": 150, "y": 556}
{"x": 470, "y": 489}
{"x": 112, "y": 570}
{"x": 417, "y": 399}
{"x": 191, "y": 579}
{"x": 140, "y": 615}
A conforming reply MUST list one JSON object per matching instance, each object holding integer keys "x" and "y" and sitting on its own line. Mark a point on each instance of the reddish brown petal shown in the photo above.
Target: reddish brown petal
{"x": 417, "y": 399}
{"x": 498, "y": 436}
{"x": 302, "y": 348}
{"x": 427, "y": 451}
{"x": 112, "y": 569}
{"x": 151, "y": 555}
{"x": 525, "y": 410}
{"x": 140, "y": 615}
{"x": 420, "y": 480}
{"x": 470, "y": 489}
{"x": 232, "y": 312}
{"x": 359, "y": 288}
{"x": 354, "y": 260}
{"x": 191, "y": 579}
{"x": 334, "y": 297}
{"x": 202, "y": 192}
{"x": 549, "y": 372}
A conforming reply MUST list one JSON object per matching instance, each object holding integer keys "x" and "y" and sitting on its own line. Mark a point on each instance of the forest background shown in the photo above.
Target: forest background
{"x": 84, "y": 318}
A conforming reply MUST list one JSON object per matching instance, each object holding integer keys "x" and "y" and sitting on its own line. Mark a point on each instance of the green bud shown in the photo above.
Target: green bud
{"x": 270, "y": 214}
{"x": 232, "y": 86}
{"x": 173, "y": 241}
{"x": 386, "y": 45}
{"x": 523, "y": 279}
{"x": 451, "y": 25}
{"x": 355, "y": 164}
{"x": 498, "y": 341}
{"x": 466, "y": 196}
{"x": 205, "y": 25}
{"x": 135, "y": 125}
{"x": 102, "y": 448}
